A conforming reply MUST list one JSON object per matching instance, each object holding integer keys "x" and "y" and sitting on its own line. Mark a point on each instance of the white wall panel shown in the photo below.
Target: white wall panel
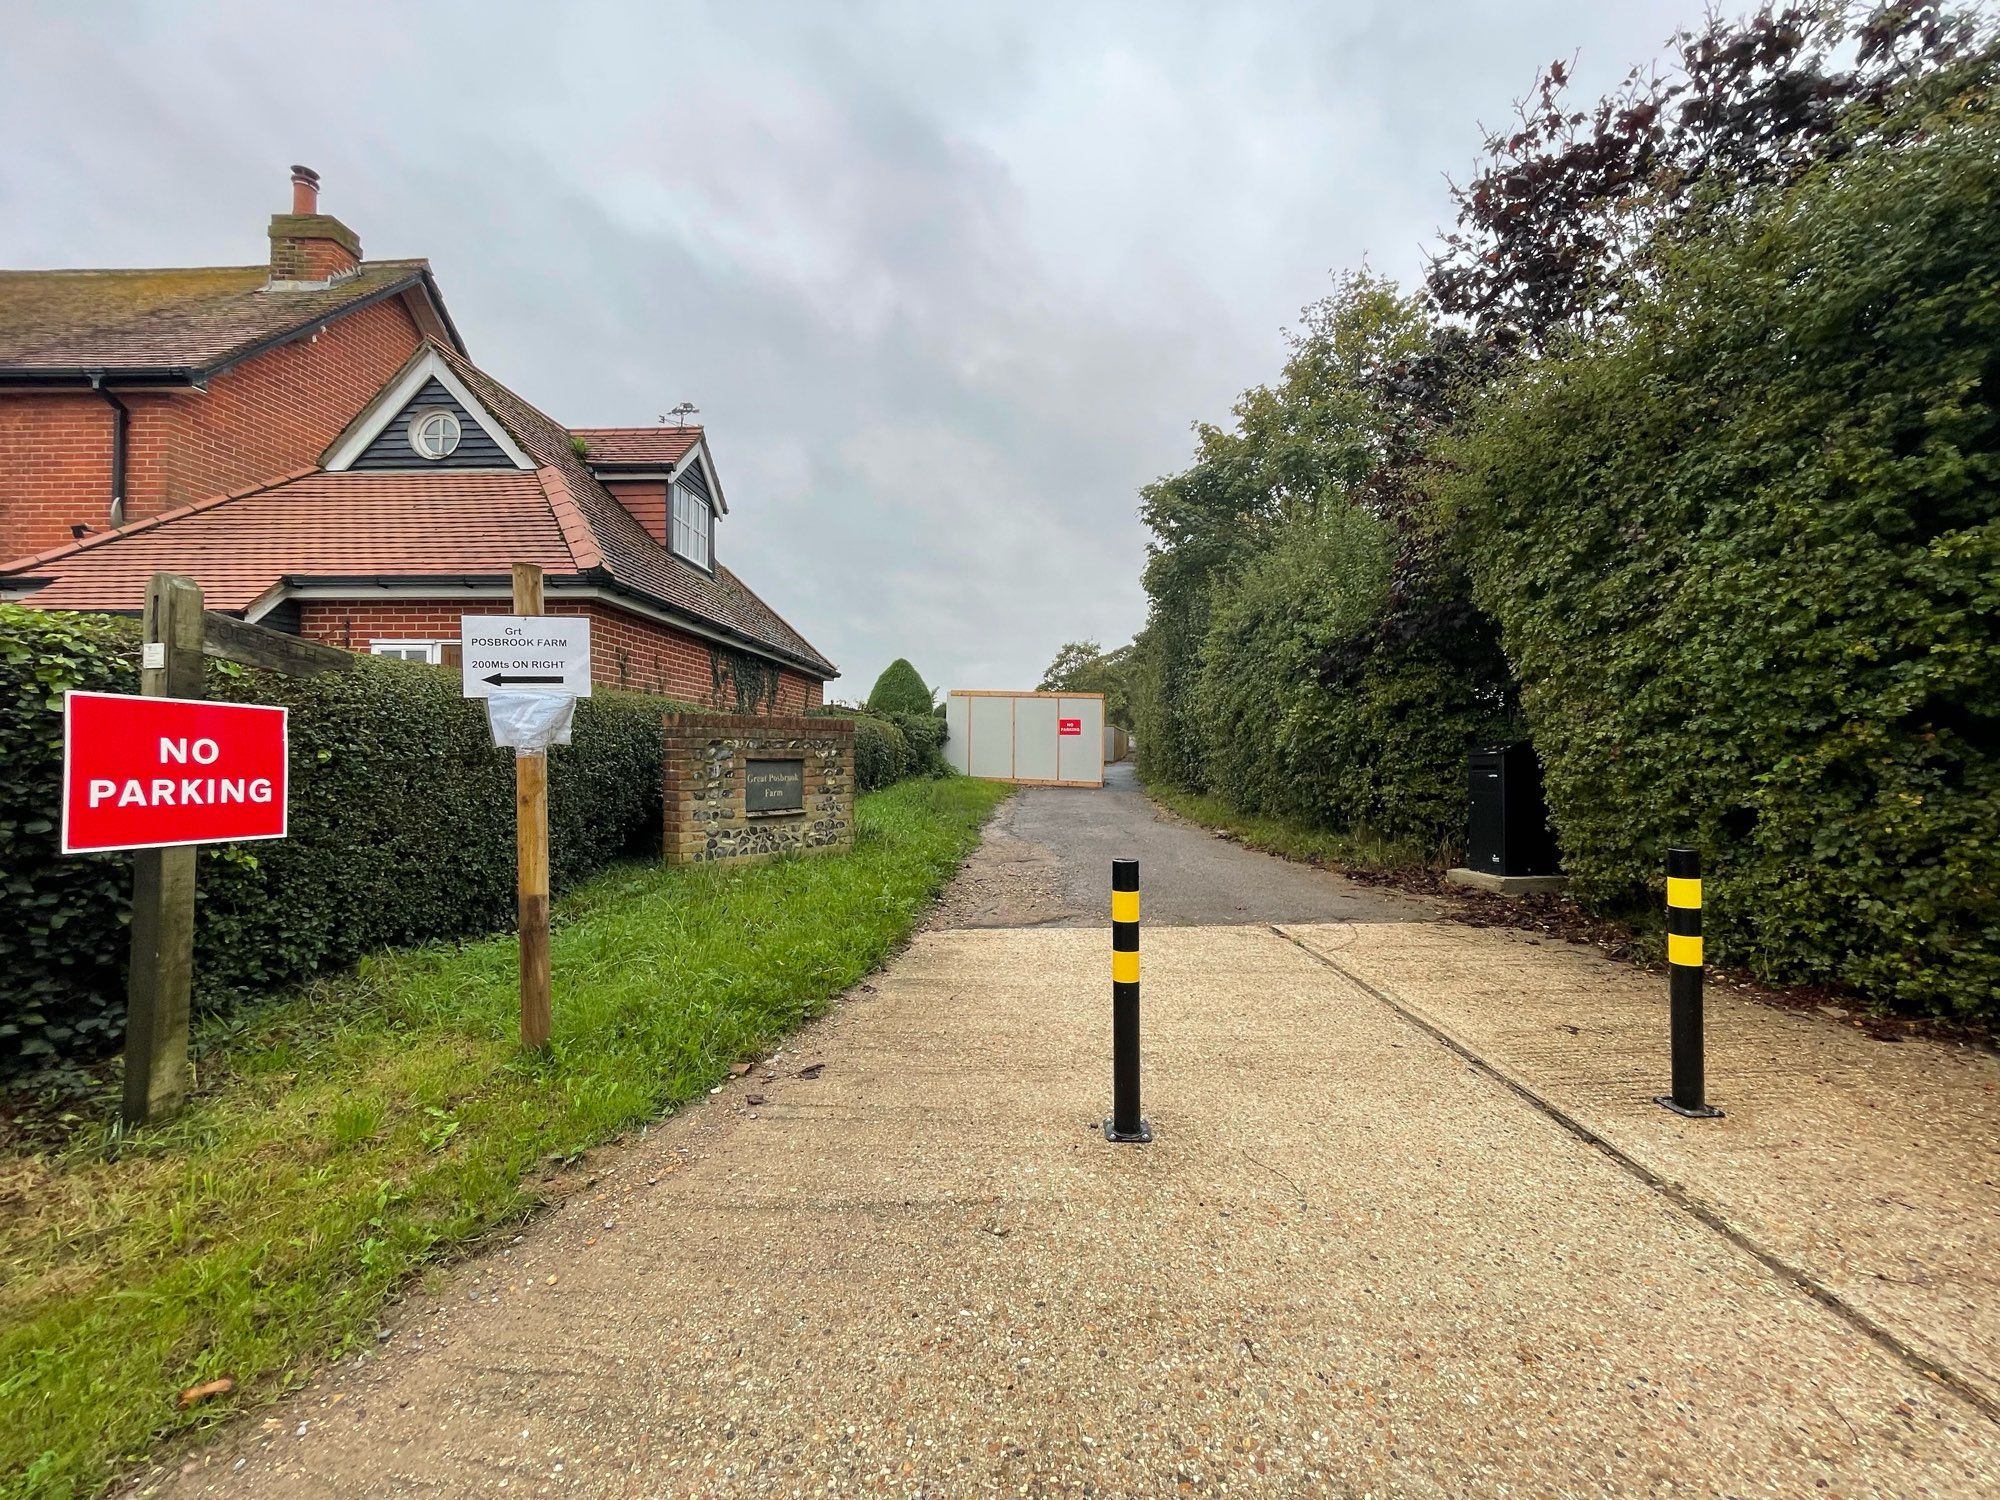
{"x": 1035, "y": 740}
{"x": 957, "y": 719}
{"x": 1018, "y": 737}
{"x": 1081, "y": 755}
{"x": 991, "y": 732}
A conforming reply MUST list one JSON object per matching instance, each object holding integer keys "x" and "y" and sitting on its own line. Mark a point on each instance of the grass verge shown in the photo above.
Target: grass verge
{"x": 348, "y": 1135}
{"x": 1360, "y": 852}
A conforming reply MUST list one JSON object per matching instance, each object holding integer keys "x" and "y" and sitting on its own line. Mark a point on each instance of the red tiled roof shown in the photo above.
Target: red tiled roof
{"x": 55, "y": 323}
{"x": 429, "y": 523}
{"x": 414, "y": 524}
{"x": 631, "y": 555}
{"x": 637, "y": 445}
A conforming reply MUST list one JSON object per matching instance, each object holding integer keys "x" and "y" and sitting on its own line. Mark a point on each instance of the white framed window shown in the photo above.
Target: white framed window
{"x": 431, "y": 652}
{"x": 693, "y": 527}
{"x": 434, "y": 432}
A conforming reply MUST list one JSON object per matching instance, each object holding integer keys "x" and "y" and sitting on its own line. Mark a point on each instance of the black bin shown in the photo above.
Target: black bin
{"x": 1508, "y": 833}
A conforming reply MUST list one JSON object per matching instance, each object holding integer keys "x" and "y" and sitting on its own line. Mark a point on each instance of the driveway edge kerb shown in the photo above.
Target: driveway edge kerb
{"x": 1966, "y": 1389}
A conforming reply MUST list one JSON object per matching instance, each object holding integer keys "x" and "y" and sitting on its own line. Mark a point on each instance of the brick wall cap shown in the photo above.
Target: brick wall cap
{"x": 753, "y": 726}
{"x": 315, "y": 227}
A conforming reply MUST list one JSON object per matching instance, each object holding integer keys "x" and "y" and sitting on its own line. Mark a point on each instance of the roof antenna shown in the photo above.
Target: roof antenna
{"x": 681, "y": 414}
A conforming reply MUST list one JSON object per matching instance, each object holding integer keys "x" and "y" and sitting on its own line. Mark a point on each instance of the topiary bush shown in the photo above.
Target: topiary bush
{"x": 1745, "y": 553}
{"x": 402, "y": 829}
{"x": 899, "y": 690}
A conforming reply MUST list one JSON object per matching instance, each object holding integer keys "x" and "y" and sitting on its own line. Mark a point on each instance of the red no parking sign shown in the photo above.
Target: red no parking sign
{"x": 144, "y": 773}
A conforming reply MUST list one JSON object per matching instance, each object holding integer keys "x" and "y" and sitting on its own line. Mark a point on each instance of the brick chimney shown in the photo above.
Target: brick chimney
{"x": 309, "y": 249}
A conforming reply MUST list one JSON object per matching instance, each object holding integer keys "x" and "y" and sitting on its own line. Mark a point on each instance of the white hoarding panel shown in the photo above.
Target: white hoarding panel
{"x": 957, "y": 719}
{"x": 990, "y": 736}
{"x": 1035, "y": 740}
{"x": 1080, "y": 740}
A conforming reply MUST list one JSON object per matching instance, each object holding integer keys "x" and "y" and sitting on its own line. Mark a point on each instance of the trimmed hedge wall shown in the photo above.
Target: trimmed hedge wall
{"x": 402, "y": 829}
{"x": 881, "y": 754}
{"x": 924, "y": 734}
{"x": 1380, "y": 751}
{"x": 1745, "y": 553}
{"x": 889, "y": 747}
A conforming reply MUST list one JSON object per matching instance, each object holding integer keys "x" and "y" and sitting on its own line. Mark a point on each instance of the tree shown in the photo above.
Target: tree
{"x": 1557, "y": 229}
{"x": 1085, "y": 667}
{"x": 900, "y": 690}
{"x": 1312, "y": 647}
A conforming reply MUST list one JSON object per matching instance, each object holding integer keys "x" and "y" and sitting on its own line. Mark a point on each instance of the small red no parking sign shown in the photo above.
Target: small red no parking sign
{"x": 1069, "y": 726}
{"x": 146, "y": 773}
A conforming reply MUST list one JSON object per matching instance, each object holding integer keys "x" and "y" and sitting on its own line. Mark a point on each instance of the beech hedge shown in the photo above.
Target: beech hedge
{"x": 1744, "y": 549}
{"x": 1377, "y": 750}
{"x": 402, "y": 829}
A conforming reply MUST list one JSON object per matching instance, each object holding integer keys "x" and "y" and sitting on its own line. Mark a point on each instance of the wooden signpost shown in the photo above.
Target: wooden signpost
{"x": 178, "y": 633}
{"x": 530, "y": 668}
{"x": 162, "y": 970}
{"x": 531, "y": 852}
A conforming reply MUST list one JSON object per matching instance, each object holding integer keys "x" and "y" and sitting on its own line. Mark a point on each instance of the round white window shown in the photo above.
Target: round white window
{"x": 434, "y": 432}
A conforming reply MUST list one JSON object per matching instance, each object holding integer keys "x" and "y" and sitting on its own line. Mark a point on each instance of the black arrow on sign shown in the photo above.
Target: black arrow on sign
{"x": 501, "y": 679}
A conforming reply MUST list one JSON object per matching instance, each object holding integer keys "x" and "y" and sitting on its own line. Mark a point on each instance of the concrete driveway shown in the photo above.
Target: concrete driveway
{"x": 1409, "y": 1227}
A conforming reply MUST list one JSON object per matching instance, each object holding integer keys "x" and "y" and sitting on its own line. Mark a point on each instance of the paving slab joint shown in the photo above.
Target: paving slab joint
{"x": 1966, "y": 1389}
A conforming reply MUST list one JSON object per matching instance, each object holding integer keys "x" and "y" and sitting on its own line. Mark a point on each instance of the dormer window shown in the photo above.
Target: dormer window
{"x": 693, "y": 526}
{"x": 434, "y": 432}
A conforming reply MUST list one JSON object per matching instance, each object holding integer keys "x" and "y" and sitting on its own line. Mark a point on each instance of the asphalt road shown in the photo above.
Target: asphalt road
{"x": 1068, "y": 836}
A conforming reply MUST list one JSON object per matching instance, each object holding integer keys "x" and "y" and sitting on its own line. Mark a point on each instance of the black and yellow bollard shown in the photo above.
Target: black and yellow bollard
{"x": 1125, "y": 1123}
{"x": 1684, "y": 986}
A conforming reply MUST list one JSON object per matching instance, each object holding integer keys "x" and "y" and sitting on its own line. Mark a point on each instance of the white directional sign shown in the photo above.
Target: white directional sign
{"x": 525, "y": 654}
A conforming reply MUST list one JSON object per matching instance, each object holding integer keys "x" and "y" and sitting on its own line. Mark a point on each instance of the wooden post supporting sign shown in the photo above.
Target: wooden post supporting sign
{"x": 161, "y": 773}
{"x": 531, "y": 851}
{"x": 162, "y": 970}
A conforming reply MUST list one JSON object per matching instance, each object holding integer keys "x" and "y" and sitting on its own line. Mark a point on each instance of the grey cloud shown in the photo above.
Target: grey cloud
{"x": 949, "y": 283}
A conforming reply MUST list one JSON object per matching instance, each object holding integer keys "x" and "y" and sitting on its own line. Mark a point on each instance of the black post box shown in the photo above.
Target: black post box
{"x": 1508, "y": 832}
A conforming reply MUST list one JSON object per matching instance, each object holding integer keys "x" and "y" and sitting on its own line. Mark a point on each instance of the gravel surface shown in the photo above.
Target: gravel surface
{"x": 1351, "y": 1264}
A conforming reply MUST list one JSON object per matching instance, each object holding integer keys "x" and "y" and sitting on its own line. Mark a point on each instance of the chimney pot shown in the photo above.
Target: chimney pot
{"x": 308, "y": 248}
{"x": 305, "y": 190}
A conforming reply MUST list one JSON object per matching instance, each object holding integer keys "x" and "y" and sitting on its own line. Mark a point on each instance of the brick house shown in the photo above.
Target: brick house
{"x": 309, "y": 441}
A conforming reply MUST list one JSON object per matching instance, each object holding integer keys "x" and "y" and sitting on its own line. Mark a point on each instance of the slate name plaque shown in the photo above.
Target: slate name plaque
{"x": 771, "y": 786}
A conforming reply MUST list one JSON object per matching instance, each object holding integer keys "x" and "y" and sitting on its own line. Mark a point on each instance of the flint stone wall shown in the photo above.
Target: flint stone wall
{"x": 706, "y": 756}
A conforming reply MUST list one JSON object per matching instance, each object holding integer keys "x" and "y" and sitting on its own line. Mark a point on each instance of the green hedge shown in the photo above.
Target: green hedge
{"x": 402, "y": 829}
{"x": 881, "y": 754}
{"x": 924, "y": 735}
{"x": 888, "y": 747}
{"x": 1745, "y": 552}
{"x": 1375, "y": 748}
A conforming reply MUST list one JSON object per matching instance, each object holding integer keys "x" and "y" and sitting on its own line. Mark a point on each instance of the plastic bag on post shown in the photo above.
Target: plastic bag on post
{"x": 530, "y": 721}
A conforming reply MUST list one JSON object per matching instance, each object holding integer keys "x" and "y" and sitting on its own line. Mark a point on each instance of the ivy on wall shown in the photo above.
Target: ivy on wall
{"x": 750, "y": 682}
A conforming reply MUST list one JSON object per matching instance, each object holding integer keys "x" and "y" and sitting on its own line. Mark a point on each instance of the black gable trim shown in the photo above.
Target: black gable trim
{"x": 391, "y": 448}
{"x": 697, "y": 482}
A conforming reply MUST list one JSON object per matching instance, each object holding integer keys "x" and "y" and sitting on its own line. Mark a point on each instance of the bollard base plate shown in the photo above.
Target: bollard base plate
{"x": 1699, "y": 1112}
{"x": 1143, "y": 1136}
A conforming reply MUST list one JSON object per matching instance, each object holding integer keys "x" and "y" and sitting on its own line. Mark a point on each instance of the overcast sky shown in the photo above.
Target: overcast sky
{"x": 948, "y": 281}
